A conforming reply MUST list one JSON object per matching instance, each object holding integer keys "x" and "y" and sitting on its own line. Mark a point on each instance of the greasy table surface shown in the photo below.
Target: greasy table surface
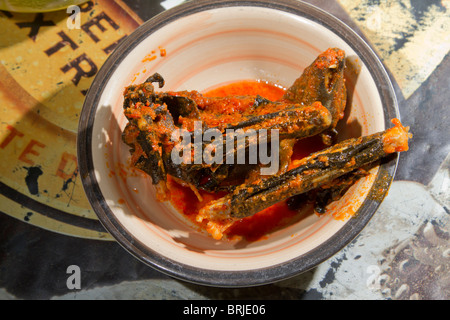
{"x": 46, "y": 224}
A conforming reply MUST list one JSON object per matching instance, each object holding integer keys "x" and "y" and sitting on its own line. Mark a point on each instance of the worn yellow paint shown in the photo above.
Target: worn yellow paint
{"x": 40, "y": 105}
{"x": 411, "y": 41}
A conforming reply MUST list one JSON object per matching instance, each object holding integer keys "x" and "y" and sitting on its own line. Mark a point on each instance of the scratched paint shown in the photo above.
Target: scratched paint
{"x": 33, "y": 173}
{"x": 411, "y": 36}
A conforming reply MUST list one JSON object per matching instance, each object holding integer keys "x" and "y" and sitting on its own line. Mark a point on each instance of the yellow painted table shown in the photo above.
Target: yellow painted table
{"x": 45, "y": 73}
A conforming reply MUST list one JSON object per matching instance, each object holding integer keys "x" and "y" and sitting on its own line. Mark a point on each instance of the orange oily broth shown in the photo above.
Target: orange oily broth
{"x": 275, "y": 217}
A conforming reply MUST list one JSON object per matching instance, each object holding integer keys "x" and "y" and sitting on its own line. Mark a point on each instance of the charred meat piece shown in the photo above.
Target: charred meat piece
{"x": 148, "y": 131}
{"x": 293, "y": 122}
{"x": 309, "y": 173}
{"x": 323, "y": 81}
{"x": 326, "y": 193}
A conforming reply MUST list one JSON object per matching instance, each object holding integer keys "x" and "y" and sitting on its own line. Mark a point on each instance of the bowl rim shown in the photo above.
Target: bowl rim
{"x": 220, "y": 278}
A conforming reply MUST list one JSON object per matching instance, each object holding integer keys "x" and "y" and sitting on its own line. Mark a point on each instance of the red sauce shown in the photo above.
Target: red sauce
{"x": 275, "y": 217}
{"x": 248, "y": 88}
{"x": 256, "y": 227}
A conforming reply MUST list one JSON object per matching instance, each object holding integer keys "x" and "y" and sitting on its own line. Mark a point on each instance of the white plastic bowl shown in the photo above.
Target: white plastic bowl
{"x": 209, "y": 43}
